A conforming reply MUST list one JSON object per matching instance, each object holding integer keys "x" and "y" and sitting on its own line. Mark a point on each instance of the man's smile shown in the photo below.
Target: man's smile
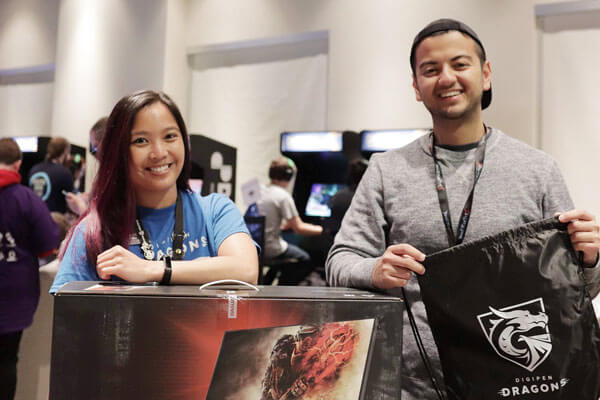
{"x": 449, "y": 94}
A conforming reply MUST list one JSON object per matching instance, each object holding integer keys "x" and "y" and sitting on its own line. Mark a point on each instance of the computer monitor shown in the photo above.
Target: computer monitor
{"x": 27, "y": 144}
{"x": 383, "y": 140}
{"x": 319, "y": 198}
{"x": 308, "y": 142}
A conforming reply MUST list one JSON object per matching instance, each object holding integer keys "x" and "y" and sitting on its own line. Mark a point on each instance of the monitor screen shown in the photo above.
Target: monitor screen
{"x": 383, "y": 140}
{"x": 27, "y": 144}
{"x": 320, "y": 195}
{"x": 311, "y": 141}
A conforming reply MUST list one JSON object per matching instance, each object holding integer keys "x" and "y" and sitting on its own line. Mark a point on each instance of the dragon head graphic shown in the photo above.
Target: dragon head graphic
{"x": 519, "y": 335}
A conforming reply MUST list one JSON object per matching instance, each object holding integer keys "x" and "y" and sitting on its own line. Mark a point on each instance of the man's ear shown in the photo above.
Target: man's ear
{"x": 416, "y": 88}
{"x": 17, "y": 165}
{"x": 487, "y": 76}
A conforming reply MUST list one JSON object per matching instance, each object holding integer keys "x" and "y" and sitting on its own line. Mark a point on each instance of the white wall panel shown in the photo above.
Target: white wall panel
{"x": 27, "y": 50}
{"x": 569, "y": 107}
{"x": 570, "y": 127}
{"x": 26, "y": 109}
{"x": 369, "y": 75}
{"x": 27, "y": 32}
{"x": 106, "y": 50}
{"x": 248, "y": 105}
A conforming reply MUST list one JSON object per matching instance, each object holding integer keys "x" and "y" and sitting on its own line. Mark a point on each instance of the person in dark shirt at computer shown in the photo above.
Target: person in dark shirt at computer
{"x": 340, "y": 201}
{"x": 338, "y": 204}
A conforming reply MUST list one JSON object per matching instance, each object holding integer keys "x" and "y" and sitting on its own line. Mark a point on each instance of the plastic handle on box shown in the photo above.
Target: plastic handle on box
{"x": 228, "y": 281}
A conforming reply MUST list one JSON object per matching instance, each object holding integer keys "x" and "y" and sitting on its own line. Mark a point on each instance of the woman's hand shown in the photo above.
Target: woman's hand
{"x": 121, "y": 262}
{"x": 78, "y": 203}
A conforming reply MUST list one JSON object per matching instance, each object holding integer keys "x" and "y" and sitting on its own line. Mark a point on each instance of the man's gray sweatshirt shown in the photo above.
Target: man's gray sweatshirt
{"x": 396, "y": 202}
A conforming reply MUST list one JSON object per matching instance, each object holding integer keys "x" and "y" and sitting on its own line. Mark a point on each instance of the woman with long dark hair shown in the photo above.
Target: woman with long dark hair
{"x": 144, "y": 224}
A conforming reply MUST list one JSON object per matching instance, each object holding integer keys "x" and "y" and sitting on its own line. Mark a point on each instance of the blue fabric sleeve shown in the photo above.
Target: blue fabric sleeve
{"x": 225, "y": 219}
{"x": 75, "y": 265}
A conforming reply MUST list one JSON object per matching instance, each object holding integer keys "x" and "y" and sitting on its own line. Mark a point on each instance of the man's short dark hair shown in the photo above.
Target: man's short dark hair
{"x": 478, "y": 48}
{"x": 9, "y": 151}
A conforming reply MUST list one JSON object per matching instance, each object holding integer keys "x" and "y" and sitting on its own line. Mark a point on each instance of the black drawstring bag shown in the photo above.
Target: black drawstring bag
{"x": 512, "y": 318}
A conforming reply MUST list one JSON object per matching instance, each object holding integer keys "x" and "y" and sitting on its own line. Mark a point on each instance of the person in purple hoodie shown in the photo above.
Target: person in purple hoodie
{"x": 26, "y": 232}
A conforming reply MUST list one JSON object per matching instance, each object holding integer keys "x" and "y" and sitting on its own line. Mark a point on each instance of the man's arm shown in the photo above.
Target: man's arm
{"x": 289, "y": 214}
{"x": 362, "y": 235}
{"x": 303, "y": 228}
{"x": 360, "y": 256}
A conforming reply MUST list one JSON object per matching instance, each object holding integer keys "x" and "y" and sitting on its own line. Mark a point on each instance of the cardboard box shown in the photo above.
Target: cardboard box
{"x": 115, "y": 341}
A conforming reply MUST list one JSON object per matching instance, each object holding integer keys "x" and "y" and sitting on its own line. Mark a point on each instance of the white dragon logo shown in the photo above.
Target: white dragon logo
{"x": 518, "y": 334}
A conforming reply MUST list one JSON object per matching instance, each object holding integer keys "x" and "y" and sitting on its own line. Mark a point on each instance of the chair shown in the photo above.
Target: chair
{"x": 256, "y": 227}
{"x": 275, "y": 268}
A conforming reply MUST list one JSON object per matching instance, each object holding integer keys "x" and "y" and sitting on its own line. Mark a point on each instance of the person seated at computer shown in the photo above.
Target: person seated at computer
{"x": 280, "y": 212}
{"x": 143, "y": 223}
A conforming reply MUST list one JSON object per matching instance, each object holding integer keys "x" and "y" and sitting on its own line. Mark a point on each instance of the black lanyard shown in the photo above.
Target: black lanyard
{"x": 178, "y": 235}
{"x": 443, "y": 195}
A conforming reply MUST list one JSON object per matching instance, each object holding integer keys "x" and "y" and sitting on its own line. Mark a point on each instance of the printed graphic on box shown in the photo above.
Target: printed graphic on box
{"x": 325, "y": 361}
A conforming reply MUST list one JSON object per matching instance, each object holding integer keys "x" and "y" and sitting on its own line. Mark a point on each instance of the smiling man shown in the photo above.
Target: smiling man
{"x": 463, "y": 171}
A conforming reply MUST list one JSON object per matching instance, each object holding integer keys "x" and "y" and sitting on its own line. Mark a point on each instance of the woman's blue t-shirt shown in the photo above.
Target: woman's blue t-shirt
{"x": 208, "y": 221}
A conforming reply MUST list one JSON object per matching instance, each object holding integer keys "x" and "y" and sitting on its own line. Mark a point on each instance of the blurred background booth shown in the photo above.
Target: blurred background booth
{"x": 34, "y": 151}
{"x": 321, "y": 158}
{"x": 213, "y": 166}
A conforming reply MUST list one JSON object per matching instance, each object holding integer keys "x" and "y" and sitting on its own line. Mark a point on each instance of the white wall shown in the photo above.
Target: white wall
{"x": 369, "y": 73}
{"x": 106, "y": 49}
{"x": 27, "y": 41}
{"x": 102, "y": 50}
{"x": 248, "y": 104}
{"x": 26, "y": 109}
{"x": 176, "y": 71}
{"x": 27, "y": 32}
{"x": 569, "y": 106}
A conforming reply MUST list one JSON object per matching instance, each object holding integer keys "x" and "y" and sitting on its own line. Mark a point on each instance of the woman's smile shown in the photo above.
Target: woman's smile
{"x": 156, "y": 156}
